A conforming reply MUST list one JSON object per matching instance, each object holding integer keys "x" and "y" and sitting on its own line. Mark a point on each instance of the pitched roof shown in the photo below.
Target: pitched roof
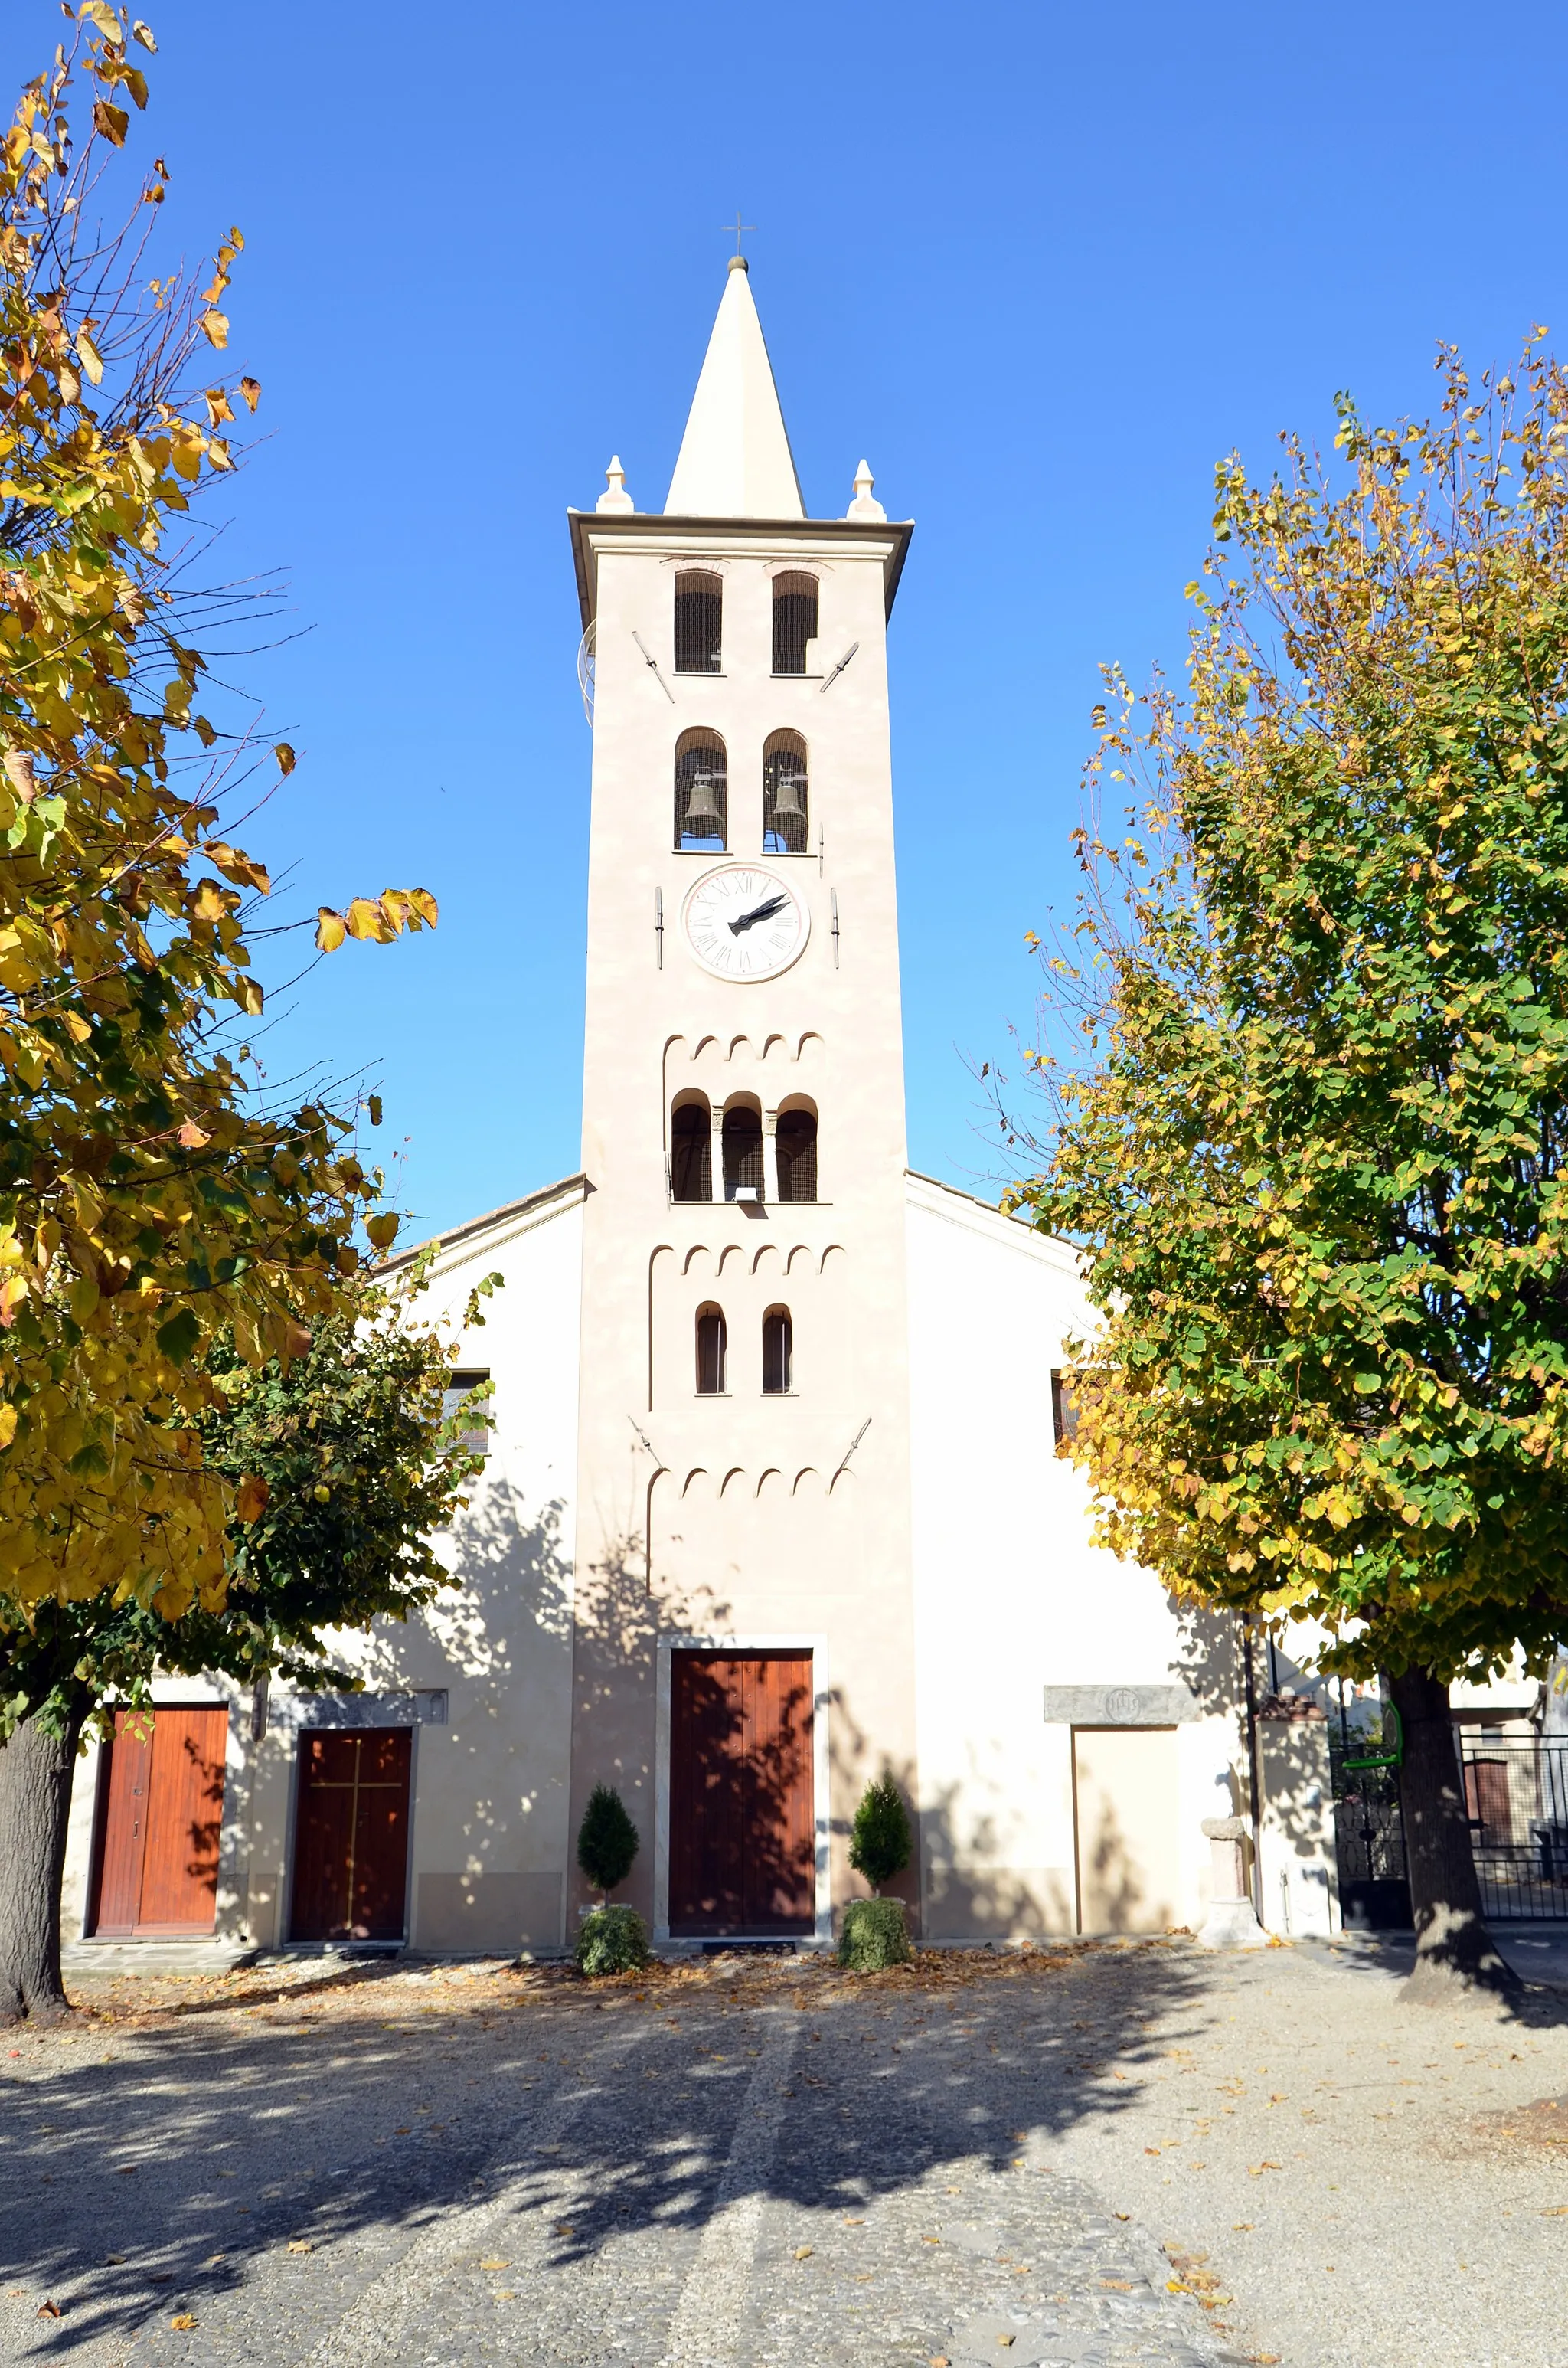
{"x": 734, "y": 460}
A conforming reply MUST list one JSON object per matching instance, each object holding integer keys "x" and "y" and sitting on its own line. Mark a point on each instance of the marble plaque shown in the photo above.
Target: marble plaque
{"x": 1120, "y": 1705}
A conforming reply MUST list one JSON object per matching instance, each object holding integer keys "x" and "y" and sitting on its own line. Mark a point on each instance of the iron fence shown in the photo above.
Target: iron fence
{"x": 1515, "y": 1794}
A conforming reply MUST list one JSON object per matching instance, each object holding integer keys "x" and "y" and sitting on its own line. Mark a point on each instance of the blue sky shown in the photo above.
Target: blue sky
{"x": 1041, "y": 266}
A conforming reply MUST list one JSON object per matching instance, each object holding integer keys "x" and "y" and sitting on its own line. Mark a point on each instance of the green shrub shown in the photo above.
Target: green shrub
{"x": 874, "y": 1936}
{"x": 606, "y": 1839}
{"x": 612, "y": 1941}
{"x": 880, "y": 1840}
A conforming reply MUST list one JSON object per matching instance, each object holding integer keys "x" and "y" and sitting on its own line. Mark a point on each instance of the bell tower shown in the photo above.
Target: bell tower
{"x": 744, "y": 1643}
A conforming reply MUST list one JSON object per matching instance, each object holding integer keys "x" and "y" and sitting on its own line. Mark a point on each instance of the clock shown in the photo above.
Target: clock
{"x": 743, "y": 922}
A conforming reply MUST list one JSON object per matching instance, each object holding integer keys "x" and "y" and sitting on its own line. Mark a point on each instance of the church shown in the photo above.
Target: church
{"x": 771, "y": 1502}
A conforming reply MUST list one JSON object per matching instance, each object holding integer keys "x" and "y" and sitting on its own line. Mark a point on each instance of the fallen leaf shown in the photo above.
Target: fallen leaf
{"x": 803, "y": 2252}
{"x": 184, "y": 2321}
{"x": 301, "y": 2245}
{"x": 495, "y": 2265}
{"x": 48, "y": 2310}
{"x": 1006, "y": 2339}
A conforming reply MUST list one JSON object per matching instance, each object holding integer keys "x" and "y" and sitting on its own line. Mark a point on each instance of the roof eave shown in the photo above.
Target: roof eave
{"x": 616, "y": 525}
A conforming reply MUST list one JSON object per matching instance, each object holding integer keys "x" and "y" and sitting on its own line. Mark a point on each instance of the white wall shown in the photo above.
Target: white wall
{"x": 1011, "y": 1596}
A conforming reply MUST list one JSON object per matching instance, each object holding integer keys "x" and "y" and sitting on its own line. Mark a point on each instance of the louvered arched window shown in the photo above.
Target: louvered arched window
{"x": 701, "y": 805}
{"x": 712, "y": 1353}
{"x": 778, "y": 1354}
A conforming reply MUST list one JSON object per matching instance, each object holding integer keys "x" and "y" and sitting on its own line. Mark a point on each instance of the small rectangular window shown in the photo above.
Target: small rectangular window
{"x": 1063, "y": 1409}
{"x": 462, "y": 1384}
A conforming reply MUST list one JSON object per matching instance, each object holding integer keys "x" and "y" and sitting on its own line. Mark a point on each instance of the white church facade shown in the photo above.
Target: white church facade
{"x": 771, "y": 1502}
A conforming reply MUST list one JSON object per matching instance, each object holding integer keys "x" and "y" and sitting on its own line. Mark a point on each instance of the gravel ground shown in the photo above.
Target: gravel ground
{"x": 766, "y": 2164}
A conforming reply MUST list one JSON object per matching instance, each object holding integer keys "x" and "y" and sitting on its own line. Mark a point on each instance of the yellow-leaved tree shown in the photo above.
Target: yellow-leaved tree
{"x": 149, "y": 1199}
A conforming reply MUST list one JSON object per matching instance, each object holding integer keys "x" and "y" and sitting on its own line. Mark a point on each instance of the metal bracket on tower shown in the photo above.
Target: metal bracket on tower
{"x": 659, "y": 926}
{"x": 658, "y": 677}
{"x": 833, "y": 901}
{"x": 831, "y": 678}
{"x": 821, "y": 852}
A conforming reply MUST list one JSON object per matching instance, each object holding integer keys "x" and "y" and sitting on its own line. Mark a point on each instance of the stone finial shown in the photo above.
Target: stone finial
{"x": 1232, "y": 1921}
{"x": 863, "y": 505}
{"x": 615, "y": 496}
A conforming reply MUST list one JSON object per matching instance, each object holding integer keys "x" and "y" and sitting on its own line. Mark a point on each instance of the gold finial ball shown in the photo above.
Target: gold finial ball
{"x": 739, "y": 263}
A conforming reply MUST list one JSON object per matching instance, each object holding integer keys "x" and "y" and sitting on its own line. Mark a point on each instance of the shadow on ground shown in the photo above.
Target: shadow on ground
{"x": 369, "y": 2099}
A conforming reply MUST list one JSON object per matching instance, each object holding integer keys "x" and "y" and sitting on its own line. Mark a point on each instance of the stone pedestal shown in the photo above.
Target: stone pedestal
{"x": 1232, "y": 1921}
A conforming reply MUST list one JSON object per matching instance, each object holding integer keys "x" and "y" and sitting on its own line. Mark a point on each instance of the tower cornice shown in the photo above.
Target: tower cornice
{"x": 596, "y": 530}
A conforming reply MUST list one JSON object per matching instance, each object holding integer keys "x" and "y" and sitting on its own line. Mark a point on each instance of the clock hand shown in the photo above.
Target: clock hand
{"x": 758, "y": 913}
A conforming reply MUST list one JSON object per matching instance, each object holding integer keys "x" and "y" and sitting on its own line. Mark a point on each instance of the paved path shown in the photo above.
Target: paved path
{"x": 795, "y": 2172}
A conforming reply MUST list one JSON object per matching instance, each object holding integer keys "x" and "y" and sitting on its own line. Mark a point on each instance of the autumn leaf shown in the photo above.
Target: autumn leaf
{"x": 140, "y": 33}
{"x": 251, "y": 1499}
{"x": 251, "y": 388}
{"x": 214, "y": 326}
{"x": 283, "y": 752}
{"x": 331, "y": 928}
{"x": 375, "y": 1109}
{"x": 112, "y": 121}
{"x": 192, "y": 1137}
{"x": 383, "y": 1229}
{"x": 183, "y": 2321}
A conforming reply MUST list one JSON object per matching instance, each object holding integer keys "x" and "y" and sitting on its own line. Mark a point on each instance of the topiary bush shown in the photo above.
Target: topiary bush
{"x": 612, "y": 1941}
{"x": 880, "y": 1840}
{"x": 874, "y": 1936}
{"x": 607, "y": 1841}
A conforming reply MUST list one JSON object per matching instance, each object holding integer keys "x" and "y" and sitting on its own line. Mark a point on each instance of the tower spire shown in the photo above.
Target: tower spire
{"x": 734, "y": 460}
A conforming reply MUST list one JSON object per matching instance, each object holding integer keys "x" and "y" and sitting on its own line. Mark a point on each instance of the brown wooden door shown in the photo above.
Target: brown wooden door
{"x": 159, "y": 1816}
{"x": 1487, "y": 1802}
{"x": 743, "y": 1837}
{"x": 351, "y": 1834}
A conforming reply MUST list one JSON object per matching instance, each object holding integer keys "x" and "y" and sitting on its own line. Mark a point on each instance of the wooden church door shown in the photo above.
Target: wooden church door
{"x": 159, "y": 1816}
{"x": 743, "y": 1834}
{"x": 351, "y": 1834}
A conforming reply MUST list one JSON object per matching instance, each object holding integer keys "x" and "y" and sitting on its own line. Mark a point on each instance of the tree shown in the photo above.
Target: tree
{"x": 358, "y": 1464}
{"x": 151, "y": 1199}
{"x": 1309, "y": 1113}
{"x": 607, "y": 1842}
{"x": 880, "y": 1839}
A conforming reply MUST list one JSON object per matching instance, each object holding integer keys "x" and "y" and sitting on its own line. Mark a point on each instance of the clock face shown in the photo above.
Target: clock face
{"x": 743, "y": 922}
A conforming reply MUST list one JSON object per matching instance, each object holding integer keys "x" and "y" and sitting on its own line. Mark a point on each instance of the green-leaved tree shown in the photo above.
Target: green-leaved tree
{"x": 1311, "y": 1113}
{"x": 357, "y": 1464}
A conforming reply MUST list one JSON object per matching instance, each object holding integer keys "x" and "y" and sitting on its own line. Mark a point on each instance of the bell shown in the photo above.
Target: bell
{"x": 702, "y": 817}
{"x": 787, "y": 806}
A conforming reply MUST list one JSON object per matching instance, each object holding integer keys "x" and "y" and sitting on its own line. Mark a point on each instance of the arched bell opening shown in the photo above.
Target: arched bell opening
{"x": 692, "y": 1149}
{"x": 702, "y": 824}
{"x": 786, "y": 816}
{"x": 795, "y": 1141}
{"x": 741, "y": 1137}
{"x": 700, "y": 623}
{"x": 794, "y": 623}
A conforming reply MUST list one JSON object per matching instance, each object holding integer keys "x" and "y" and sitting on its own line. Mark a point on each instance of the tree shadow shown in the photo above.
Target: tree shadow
{"x": 207, "y": 2146}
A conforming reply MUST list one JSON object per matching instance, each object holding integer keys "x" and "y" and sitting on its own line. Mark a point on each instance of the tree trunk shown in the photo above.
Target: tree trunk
{"x": 34, "y": 1802}
{"x": 1453, "y": 1949}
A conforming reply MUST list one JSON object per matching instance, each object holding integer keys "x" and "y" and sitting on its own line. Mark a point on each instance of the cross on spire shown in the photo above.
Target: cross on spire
{"x": 741, "y": 229}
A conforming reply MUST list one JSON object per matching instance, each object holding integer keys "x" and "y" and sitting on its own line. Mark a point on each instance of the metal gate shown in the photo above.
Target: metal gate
{"x": 1516, "y": 1796}
{"x": 1369, "y": 1837}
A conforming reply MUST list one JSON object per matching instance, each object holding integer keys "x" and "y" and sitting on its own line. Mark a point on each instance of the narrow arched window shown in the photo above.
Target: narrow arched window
{"x": 712, "y": 1357}
{"x": 778, "y": 1354}
{"x": 691, "y": 1158}
{"x": 702, "y": 806}
{"x": 794, "y": 624}
{"x": 796, "y": 1142}
{"x": 699, "y": 623}
{"x": 786, "y": 826}
{"x": 742, "y": 1152}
